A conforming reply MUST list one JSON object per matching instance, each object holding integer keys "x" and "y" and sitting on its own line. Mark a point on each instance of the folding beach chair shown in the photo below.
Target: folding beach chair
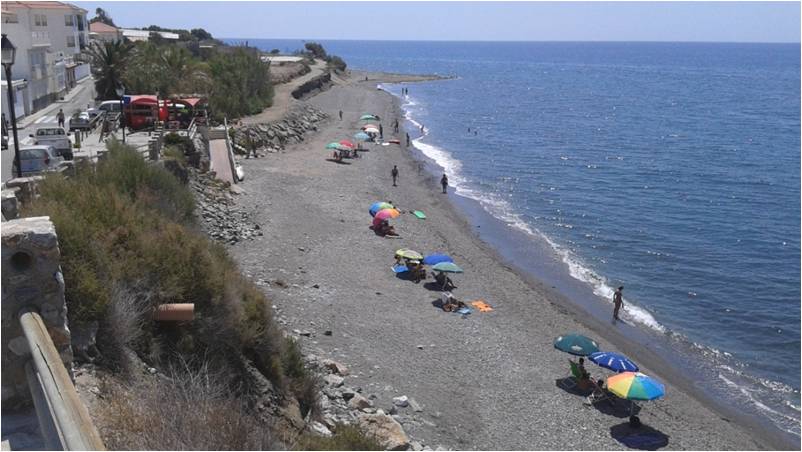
{"x": 572, "y": 381}
{"x": 598, "y": 394}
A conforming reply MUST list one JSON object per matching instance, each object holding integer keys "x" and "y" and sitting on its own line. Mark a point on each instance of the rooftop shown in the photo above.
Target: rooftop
{"x": 40, "y": 5}
{"x": 100, "y": 27}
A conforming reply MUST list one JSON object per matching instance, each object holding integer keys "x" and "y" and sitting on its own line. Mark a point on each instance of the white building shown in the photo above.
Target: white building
{"x": 99, "y": 31}
{"x": 134, "y": 35}
{"x": 48, "y": 35}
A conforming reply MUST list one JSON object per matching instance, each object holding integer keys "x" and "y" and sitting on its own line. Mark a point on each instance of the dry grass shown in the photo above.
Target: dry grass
{"x": 188, "y": 409}
{"x": 346, "y": 437}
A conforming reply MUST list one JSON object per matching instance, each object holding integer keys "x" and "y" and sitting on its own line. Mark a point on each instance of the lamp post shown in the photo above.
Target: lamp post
{"x": 120, "y": 89}
{"x": 9, "y": 54}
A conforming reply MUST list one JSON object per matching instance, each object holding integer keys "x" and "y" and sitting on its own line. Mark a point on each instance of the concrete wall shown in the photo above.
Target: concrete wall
{"x": 31, "y": 277}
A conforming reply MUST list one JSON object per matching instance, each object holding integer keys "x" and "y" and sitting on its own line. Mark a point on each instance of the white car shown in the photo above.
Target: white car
{"x": 38, "y": 159}
{"x": 56, "y": 137}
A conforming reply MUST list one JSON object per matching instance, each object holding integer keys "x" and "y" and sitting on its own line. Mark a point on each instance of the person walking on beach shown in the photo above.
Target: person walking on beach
{"x": 60, "y": 117}
{"x": 407, "y": 140}
{"x": 394, "y": 173}
{"x": 618, "y": 301}
{"x": 395, "y": 126}
{"x": 444, "y": 182}
{"x": 381, "y": 132}
{"x": 341, "y": 115}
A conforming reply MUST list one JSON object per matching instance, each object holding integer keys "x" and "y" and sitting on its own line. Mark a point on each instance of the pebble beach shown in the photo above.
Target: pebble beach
{"x": 488, "y": 380}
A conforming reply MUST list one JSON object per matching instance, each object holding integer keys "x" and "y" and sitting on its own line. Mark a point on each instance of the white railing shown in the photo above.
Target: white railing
{"x": 40, "y": 38}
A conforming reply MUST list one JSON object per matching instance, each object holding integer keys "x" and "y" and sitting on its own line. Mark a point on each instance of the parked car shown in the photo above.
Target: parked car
{"x": 108, "y": 106}
{"x": 56, "y": 137}
{"x": 81, "y": 121}
{"x": 38, "y": 159}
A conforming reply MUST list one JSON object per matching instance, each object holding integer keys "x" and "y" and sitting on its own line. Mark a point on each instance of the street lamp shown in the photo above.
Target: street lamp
{"x": 120, "y": 89}
{"x": 9, "y": 55}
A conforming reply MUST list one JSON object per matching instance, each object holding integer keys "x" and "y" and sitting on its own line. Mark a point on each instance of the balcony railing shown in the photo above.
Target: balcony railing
{"x": 40, "y": 38}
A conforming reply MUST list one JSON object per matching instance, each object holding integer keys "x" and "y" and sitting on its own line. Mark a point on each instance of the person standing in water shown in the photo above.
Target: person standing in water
{"x": 618, "y": 301}
{"x": 394, "y": 173}
{"x": 341, "y": 115}
{"x": 444, "y": 182}
{"x": 407, "y": 140}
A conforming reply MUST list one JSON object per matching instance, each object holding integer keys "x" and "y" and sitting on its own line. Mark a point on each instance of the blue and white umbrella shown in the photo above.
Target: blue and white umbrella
{"x": 613, "y": 361}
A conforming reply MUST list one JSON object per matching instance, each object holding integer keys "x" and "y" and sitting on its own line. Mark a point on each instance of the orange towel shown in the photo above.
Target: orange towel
{"x": 481, "y": 306}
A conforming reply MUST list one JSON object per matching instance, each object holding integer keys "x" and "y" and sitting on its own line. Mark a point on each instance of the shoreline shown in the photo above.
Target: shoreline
{"x": 466, "y": 210}
{"x": 373, "y": 342}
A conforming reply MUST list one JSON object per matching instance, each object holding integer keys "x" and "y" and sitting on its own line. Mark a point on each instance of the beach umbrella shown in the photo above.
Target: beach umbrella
{"x": 408, "y": 254}
{"x": 362, "y": 136}
{"x": 635, "y": 386}
{"x": 447, "y": 267}
{"x": 576, "y": 344}
{"x": 370, "y": 126}
{"x": 337, "y": 146}
{"x": 377, "y": 206}
{"x": 368, "y": 117}
{"x": 613, "y": 361}
{"x": 371, "y": 130}
{"x": 346, "y": 143}
{"x": 434, "y": 259}
{"x": 385, "y": 214}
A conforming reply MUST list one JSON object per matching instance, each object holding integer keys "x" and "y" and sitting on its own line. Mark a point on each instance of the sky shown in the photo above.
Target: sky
{"x": 471, "y": 21}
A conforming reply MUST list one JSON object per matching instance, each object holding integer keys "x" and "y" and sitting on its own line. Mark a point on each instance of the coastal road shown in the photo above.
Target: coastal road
{"x": 76, "y": 100}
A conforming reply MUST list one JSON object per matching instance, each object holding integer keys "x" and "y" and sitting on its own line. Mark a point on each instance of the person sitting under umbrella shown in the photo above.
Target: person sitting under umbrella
{"x": 444, "y": 281}
{"x": 386, "y": 229}
{"x": 417, "y": 270}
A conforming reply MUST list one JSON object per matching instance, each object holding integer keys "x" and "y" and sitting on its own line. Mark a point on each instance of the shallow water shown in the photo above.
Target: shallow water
{"x": 671, "y": 169}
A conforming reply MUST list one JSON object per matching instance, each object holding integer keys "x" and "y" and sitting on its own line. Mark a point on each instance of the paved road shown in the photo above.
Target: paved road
{"x": 76, "y": 100}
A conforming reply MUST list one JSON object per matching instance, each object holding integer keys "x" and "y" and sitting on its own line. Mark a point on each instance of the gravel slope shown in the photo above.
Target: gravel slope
{"x": 487, "y": 381}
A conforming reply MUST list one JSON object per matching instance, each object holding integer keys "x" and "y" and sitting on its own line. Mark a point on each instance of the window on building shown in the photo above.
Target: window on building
{"x": 70, "y": 41}
{"x": 40, "y": 20}
{"x": 9, "y": 18}
{"x": 68, "y": 20}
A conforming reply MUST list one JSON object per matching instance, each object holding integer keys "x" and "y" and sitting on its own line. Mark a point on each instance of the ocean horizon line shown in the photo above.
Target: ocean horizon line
{"x": 502, "y": 41}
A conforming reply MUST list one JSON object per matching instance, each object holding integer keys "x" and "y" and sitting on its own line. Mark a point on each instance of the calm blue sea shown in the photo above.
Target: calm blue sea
{"x": 670, "y": 168}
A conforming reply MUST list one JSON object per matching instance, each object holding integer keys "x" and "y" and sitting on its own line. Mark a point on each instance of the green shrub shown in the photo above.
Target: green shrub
{"x": 131, "y": 234}
{"x": 345, "y": 437}
{"x": 337, "y": 63}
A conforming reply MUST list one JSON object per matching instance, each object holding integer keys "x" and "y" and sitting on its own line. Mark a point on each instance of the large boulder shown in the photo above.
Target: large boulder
{"x": 385, "y": 429}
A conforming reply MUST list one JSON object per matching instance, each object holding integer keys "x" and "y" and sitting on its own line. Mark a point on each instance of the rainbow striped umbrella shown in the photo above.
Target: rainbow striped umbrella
{"x": 377, "y": 206}
{"x": 635, "y": 386}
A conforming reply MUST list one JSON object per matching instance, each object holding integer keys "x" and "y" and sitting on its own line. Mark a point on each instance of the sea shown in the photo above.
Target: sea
{"x": 672, "y": 169}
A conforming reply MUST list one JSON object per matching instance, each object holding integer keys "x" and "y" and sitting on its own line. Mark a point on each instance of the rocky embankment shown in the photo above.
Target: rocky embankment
{"x": 314, "y": 86}
{"x": 275, "y": 136}
{"x": 220, "y": 217}
{"x": 343, "y": 404}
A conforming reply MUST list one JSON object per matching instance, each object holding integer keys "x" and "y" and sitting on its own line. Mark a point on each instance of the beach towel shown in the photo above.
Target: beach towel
{"x": 400, "y": 268}
{"x": 464, "y": 311}
{"x": 419, "y": 214}
{"x": 481, "y": 306}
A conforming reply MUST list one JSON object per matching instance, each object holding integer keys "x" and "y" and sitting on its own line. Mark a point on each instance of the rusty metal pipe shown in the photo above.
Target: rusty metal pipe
{"x": 175, "y": 312}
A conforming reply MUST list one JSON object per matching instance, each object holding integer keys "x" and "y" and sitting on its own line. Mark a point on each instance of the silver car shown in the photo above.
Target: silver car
{"x": 38, "y": 159}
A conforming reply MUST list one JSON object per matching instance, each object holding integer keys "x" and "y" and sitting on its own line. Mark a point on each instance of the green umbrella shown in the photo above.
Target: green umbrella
{"x": 368, "y": 117}
{"x": 576, "y": 344}
{"x": 447, "y": 267}
{"x": 334, "y": 145}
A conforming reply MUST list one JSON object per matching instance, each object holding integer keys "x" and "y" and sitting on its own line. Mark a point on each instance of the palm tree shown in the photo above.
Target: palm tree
{"x": 108, "y": 62}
